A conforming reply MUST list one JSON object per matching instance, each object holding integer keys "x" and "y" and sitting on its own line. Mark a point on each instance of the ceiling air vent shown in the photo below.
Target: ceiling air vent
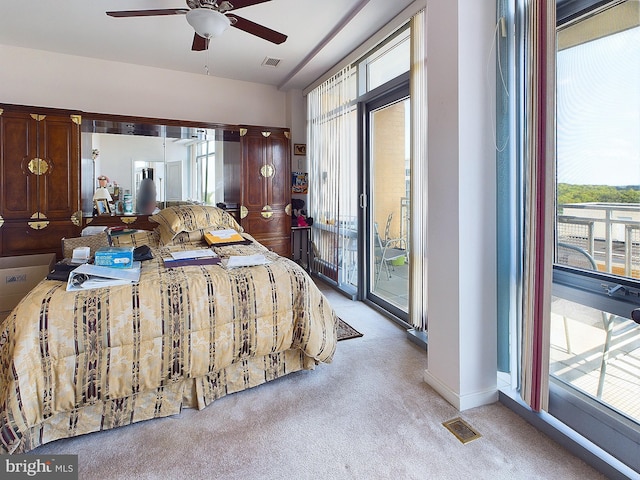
{"x": 271, "y": 62}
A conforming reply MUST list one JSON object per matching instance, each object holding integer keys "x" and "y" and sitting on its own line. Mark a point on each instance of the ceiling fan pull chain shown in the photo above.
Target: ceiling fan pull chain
{"x": 206, "y": 65}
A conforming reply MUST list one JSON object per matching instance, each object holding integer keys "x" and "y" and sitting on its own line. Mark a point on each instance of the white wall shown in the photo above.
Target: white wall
{"x": 297, "y": 111}
{"x": 39, "y": 78}
{"x": 462, "y": 347}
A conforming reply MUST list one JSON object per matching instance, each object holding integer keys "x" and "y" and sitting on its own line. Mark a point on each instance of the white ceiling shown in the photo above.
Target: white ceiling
{"x": 320, "y": 34}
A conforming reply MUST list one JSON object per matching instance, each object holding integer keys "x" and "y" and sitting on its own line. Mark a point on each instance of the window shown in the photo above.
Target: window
{"x": 595, "y": 345}
{"x": 208, "y": 174}
{"x": 333, "y": 147}
{"x": 389, "y": 61}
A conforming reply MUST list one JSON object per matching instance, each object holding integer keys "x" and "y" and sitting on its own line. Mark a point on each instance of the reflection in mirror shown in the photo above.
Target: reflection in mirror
{"x": 190, "y": 165}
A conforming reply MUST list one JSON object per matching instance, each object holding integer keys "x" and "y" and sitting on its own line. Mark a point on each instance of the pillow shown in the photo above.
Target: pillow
{"x": 190, "y": 237}
{"x": 194, "y": 219}
{"x": 136, "y": 239}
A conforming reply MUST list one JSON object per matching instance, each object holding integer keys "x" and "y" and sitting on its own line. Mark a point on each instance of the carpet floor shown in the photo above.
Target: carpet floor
{"x": 367, "y": 415}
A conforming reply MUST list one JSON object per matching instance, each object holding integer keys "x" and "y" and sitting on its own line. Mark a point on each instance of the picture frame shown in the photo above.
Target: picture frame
{"x": 102, "y": 206}
{"x": 299, "y": 149}
{"x": 299, "y": 183}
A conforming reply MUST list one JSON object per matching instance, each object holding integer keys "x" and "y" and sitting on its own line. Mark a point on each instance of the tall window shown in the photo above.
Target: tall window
{"x": 204, "y": 162}
{"x": 332, "y": 145}
{"x": 333, "y": 150}
{"x": 338, "y": 187}
{"x": 579, "y": 117}
{"x": 593, "y": 349}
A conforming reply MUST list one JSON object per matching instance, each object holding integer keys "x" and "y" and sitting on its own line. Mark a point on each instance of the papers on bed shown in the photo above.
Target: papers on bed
{"x": 227, "y": 236}
{"x": 236, "y": 261}
{"x": 185, "y": 258}
{"x": 192, "y": 254}
{"x": 89, "y": 276}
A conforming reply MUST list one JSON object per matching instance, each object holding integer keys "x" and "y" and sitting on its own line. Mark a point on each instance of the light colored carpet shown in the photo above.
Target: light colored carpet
{"x": 368, "y": 415}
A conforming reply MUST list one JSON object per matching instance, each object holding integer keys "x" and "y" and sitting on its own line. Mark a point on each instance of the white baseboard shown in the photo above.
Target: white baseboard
{"x": 461, "y": 402}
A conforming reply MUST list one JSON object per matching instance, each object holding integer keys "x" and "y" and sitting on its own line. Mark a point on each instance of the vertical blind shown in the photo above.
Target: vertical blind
{"x": 539, "y": 170}
{"x": 418, "y": 214}
{"x": 332, "y": 149}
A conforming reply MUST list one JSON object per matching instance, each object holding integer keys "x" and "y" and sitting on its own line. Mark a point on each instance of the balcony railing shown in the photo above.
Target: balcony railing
{"x": 595, "y": 351}
{"x": 610, "y": 232}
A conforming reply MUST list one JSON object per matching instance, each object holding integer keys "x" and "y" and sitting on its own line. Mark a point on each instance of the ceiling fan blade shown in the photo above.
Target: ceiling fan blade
{"x": 199, "y": 43}
{"x": 259, "y": 30}
{"x": 148, "y": 13}
{"x": 246, "y": 3}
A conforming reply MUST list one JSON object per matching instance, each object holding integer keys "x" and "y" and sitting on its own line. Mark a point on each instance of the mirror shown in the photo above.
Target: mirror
{"x": 187, "y": 164}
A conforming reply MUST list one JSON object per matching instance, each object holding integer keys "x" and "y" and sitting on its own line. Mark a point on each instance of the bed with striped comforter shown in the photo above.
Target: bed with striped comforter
{"x": 72, "y": 363}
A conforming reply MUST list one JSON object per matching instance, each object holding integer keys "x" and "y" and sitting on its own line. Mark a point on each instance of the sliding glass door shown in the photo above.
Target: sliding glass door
{"x": 388, "y": 174}
{"x": 360, "y": 144}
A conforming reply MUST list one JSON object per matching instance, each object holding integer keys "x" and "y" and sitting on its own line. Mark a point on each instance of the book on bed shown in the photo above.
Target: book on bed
{"x": 227, "y": 236}
{"x": 185, "y": 258}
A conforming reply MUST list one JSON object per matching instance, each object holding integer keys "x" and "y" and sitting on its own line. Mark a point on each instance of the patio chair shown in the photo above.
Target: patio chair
{"x": 388, "y": 249}
{"x": 614, "y": 325}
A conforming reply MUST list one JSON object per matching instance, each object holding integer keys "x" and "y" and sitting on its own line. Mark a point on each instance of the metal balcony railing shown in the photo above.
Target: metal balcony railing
{"x": 610, "y": 232}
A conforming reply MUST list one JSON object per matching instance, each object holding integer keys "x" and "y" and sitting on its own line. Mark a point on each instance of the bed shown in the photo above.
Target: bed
{"x": 75, "y": 362}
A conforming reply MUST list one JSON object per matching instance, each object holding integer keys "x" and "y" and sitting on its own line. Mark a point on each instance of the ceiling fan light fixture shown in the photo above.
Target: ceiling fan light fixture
{"x": 207, "y": 23}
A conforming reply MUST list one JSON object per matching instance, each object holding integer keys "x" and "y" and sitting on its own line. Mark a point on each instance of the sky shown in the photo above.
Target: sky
{"x": 598, "y": 111}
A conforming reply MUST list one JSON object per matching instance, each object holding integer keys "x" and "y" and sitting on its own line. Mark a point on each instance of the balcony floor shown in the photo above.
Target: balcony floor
{"x": 395, "y": 288}
{"x": 581, "y": 366}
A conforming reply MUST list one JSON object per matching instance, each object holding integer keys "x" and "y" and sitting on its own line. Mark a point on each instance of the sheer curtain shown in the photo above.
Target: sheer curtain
{"x": 418, "y": 233}
{"x": 333, "y": 180}
{"x": 538, "y": 106}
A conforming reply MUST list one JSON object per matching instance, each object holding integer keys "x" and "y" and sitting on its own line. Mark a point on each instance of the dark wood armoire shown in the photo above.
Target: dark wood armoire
{"x": 39, "y": 180}
{"x": 265, "y": 209}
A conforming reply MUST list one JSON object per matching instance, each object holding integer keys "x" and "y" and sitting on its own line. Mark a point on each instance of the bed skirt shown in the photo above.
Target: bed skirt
{"x": 165, "y": 401}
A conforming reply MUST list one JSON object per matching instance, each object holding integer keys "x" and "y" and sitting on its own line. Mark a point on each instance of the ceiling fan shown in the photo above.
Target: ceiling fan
{"x": 209, "y": 19}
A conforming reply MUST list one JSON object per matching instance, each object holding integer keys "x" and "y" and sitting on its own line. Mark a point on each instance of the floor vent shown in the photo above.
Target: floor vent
{"x": 271, "y": 62}
{"x": 462, "y": 430}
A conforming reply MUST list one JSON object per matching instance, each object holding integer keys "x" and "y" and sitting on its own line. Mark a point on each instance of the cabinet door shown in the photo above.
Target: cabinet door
{"x": 39, "y": 161}
{"x": 266, "y": 190}
{"x": 18, "y": 138}
{"x": 254, "y": 183}
{"x": 27, "y": 238}
{"x": 59, "y": 147}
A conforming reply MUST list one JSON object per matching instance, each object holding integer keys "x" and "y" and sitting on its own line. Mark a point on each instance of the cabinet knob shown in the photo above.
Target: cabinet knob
{"x": 267, "y": 211}
{"x": 39, "y": 221}
{"x": 267, "y": 171}
{"x": 76, "y": 218}
{"x": 38, "y": 166}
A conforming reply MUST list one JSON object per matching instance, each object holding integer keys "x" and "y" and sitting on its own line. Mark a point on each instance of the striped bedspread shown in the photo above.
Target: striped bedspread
{"x": 77, "y": 362}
